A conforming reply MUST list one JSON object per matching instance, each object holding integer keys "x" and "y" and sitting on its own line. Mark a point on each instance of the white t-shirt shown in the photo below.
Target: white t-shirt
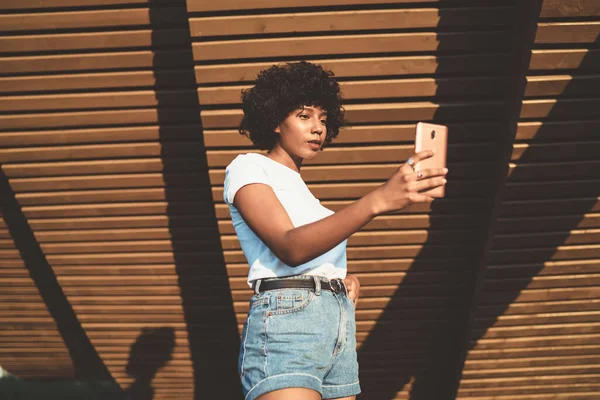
{"x": 300, "y": 204}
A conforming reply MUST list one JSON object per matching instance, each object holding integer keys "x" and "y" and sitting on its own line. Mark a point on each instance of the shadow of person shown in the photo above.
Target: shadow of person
{"x": 151, "y": 351}
{"x": 414, "y": 349}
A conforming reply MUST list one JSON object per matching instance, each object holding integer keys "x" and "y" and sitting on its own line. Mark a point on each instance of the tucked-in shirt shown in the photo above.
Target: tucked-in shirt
{"x": 299, "y": 203}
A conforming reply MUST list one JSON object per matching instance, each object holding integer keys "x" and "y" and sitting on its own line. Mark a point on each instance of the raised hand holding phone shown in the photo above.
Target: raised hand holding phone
{"x": 434, "y": 138}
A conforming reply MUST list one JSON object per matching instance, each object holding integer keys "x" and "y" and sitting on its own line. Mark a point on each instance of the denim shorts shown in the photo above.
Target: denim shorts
{"x": 299, "y": 338}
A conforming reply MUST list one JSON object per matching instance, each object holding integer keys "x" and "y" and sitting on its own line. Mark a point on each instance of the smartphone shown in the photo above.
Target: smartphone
{"x": 432, "y": 137}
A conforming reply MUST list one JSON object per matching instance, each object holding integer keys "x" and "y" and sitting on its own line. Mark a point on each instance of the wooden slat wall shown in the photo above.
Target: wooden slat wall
{"x": 536, "y": 331}
{"x": 31, "y": 346}
{"x": 118, "y": 117}
{"x": 397, "y": 64}
{"x": 98, "y": 98}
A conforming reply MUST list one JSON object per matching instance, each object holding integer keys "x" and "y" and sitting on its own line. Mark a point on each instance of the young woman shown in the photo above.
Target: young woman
{"x": 299, "y": 338}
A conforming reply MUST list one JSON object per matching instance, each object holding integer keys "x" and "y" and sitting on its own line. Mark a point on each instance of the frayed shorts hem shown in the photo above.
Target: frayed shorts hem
{"x": 337, "y": 391}
{"x": 296, "y": 380}
{"x": 284, "y": 381}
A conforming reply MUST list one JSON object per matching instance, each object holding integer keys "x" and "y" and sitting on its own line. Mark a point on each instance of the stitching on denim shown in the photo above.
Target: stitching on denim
{"x": 259, "y": 302}
{"x": 349, "y": 384}
{"x": 244, "y": 347}
{"x": 265, "y": 333}
{"x": 277, "y": 376}
{"x": 302, "y": 306}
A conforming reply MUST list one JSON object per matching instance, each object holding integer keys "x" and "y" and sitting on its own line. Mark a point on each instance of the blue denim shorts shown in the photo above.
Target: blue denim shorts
{"x": 299, "y": 338}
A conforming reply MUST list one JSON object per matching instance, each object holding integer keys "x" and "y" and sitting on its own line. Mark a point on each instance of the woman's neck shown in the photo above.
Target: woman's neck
{"x": 283, "y": 157}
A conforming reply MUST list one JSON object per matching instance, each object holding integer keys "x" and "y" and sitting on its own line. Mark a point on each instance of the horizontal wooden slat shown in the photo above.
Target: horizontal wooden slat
{"x": 98, "y": 135}
{"x": 561, "y": 108}
{"x": 151, "y": 214}
{"x": 542, "y": 282}
{"x": 226, "y": 227}
{"x": 461, "y": 132}
{"x": 542, "y": 253}
{"x": 231, "y": 243}
{"x": 380, "y": 89}
{"x": 548, "y": 239}
{"x": 528, "y": 295}
{"x": 323, "y": 174}
{"x": 582, "y": 59}
{"x": 364, "y": 67}
{"x": 569, "y": 8}
{"x": 530, "y": 361}
{"x": 551, "y": 130}
{"x": 204, "y": 6}
{"x": 96, "y": 40}
{"x": 548, "y": 171}
{"x": 567, "y": 32}
{"x": 100, "y": 80}
{"x": 551, "y": 189}
{"x": 556, "y": 151}
{"x": 546, "y": 224}
{"x": 425, "y": 87}
{"x": 550, "y": 206}
{"x": 358, "y": 155}
{"x": 148, "y": 98}
{"x": 349, "y": 44}
{"x": 172, "y": 168}
{"x": 542, "y": 380}
{"x": 221, "y": 158}
{"x": 532, "y": 390}
{"x": 370, "y": 113}
{"x": 562, "y": 85}
{"x": 96, "y": 61}
{"x": 28, "y": 4}
{"x": 96, "y": 118}
{"x": 357, "y": 190}
{"x": 210, "y": 258}
{"x": 545, "y": 268}
{"x": 333, "y": 21}
{"x": 91, "y": 19}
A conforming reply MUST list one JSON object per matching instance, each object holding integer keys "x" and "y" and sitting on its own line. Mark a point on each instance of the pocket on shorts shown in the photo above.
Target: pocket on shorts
{"x": 288, "y": 301}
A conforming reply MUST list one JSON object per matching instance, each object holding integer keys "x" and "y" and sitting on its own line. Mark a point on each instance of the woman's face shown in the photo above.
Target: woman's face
{"x": 303, "y": 132}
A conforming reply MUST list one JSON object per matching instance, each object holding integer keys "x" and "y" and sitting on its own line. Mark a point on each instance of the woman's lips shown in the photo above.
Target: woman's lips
{"x": 314, "y": 144}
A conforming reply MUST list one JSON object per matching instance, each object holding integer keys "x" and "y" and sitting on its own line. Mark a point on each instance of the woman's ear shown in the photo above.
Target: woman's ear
{"x": 277, "y": 130}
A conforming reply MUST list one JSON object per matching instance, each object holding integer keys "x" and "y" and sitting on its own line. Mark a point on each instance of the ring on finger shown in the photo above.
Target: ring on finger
{"x": 419, "y": 174}
{"x": 411, "y": 163}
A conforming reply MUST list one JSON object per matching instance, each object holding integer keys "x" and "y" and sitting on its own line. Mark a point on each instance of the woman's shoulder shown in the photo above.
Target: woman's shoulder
{"x": 247, "y": 160}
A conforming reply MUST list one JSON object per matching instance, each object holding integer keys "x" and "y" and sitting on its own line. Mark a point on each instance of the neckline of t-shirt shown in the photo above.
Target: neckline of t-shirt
{"x": 278, "y": 163}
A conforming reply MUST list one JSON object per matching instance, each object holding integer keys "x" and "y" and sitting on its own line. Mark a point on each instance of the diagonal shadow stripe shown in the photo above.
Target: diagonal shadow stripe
{"x": 88, "y": 364}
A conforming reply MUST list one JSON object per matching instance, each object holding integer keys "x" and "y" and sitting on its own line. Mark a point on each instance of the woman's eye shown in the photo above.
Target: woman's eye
{"x": 304, "y": 116}
{"x": 324, "y": 121}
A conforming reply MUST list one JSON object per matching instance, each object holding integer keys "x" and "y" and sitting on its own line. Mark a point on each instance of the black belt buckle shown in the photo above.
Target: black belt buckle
{"x": 337, "y": 285}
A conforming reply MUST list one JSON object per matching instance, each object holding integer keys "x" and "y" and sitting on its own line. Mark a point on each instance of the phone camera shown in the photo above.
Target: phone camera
{"x": 432, "y": 135}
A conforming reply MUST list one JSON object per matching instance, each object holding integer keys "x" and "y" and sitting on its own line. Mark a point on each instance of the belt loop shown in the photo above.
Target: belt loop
{"x": 344, "y": 287}
{"x": 317, "y": 285}
{"x": 257, "y": 286}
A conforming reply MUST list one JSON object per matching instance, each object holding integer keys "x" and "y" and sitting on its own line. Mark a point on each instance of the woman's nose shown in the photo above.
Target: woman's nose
{"x": 317, "y": 127}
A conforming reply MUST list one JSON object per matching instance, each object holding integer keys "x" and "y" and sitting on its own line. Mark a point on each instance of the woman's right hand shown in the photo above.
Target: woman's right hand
{"x": 406, "y": 186}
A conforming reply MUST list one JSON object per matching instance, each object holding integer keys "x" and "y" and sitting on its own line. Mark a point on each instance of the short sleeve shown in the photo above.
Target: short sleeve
{"x": 239, "y": 173}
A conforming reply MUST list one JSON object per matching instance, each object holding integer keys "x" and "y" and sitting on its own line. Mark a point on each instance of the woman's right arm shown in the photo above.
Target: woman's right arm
{"x": 265, "y": 214}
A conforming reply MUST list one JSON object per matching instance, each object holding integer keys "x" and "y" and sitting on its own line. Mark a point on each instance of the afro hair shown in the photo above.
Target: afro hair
{"x": 281, "y": 89}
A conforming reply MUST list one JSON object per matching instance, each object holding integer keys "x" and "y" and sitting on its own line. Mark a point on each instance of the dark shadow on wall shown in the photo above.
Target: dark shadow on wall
{"x": 88, "y": 365}
{"x": 205, "y": 294}
{"x": 152, "y": 350}
{"x": 419, "y": 338}
{"x": 576, "y": 188}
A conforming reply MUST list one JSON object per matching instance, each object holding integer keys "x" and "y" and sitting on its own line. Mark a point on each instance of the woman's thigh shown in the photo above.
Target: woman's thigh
{"x": 291, "y": 394}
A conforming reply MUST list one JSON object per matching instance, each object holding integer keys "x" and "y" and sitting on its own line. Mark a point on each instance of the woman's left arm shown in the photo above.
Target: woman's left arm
{"x": 353, "y": 286}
